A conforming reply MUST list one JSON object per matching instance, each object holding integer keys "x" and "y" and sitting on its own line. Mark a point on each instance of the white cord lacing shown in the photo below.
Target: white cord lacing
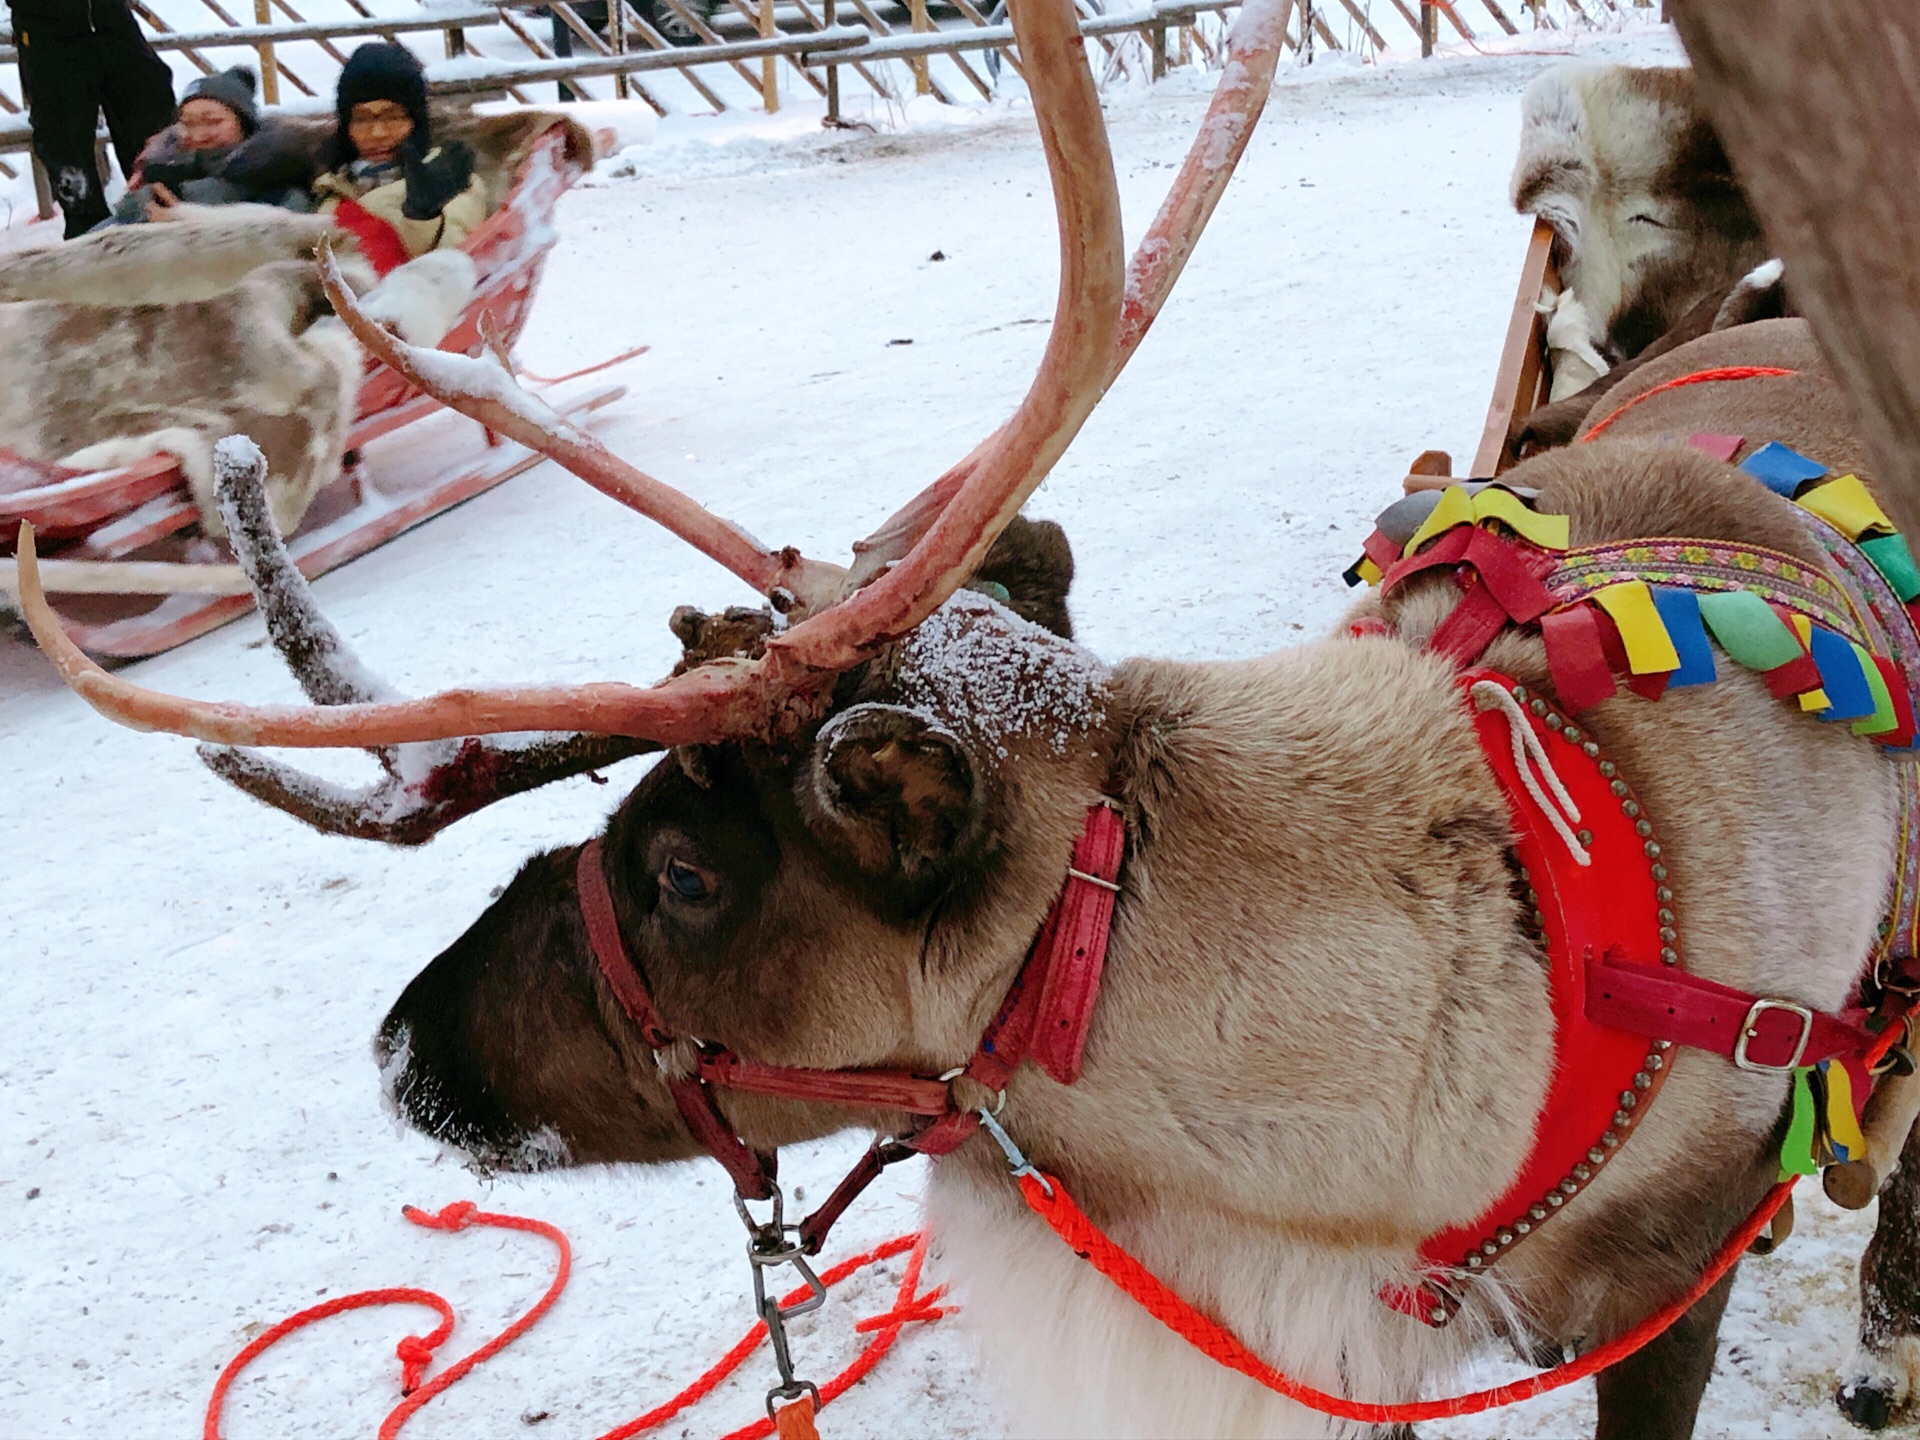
{"x": 1528, "y": 755}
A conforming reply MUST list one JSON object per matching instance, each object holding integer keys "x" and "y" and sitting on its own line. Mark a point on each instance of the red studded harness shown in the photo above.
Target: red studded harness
{"x": 1601, "y": 905}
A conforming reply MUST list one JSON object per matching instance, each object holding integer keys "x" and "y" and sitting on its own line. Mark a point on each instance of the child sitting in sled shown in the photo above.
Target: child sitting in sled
{"x": 220, "y": 150}
{"x": 384, "y": 181}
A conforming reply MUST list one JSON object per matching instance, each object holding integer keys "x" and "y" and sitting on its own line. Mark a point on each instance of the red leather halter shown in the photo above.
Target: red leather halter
{"x": 1044, "y": 1018}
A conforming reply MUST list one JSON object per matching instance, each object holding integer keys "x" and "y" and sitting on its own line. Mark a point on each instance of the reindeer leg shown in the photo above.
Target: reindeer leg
{"x": 1880, "y": 1377}
{"x": 1655, "y": 1393}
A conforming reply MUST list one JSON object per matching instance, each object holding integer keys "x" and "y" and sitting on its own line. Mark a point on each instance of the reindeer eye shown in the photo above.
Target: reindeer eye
{"x": 686, "y": 881}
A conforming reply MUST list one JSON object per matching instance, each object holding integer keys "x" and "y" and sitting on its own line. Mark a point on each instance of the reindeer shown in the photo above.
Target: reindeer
{"x": 1321, "y": 1029}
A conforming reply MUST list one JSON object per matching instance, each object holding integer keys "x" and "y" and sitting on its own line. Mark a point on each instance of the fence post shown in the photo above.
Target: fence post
{"x": 617, "y": 38}
{"x": 922, "y": 77}
{"x": 269, "y": 75}
{"x": 1157, "y": 43}
{"x": 833, "y": 71}
{"x": 769, "y": 74}
{"x": 1429, "y": 27}
{"x": 42, "y": 191}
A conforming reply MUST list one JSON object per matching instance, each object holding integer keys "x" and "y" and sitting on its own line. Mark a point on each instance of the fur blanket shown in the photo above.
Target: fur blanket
{"x": 168, "y": 337}
{"x": 1622, "y": 163}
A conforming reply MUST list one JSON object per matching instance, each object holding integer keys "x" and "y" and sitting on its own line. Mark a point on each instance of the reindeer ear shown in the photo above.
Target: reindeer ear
{"x": 1030, "y": 569}
{"x": 895, "y": 793}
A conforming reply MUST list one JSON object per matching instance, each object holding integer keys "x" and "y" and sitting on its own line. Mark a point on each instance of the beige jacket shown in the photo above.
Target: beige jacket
{"x": 445, "y": 231}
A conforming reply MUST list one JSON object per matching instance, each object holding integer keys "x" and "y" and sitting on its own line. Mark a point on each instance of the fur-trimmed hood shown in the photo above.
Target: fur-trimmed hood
{"x": 1623, "y": 164}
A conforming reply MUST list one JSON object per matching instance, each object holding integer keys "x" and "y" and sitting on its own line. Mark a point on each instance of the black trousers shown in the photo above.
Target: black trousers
{"x": 69, "y": 80}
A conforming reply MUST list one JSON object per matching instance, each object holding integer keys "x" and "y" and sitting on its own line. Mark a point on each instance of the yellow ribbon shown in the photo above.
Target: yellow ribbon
{"x": 1630, "y": 603}
{"x": 1846, "y": 505}
{"x": 1458, "y": 507}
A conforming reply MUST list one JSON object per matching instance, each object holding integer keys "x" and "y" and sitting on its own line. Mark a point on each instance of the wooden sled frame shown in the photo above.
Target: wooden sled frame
{"x": 132, "y": 606}
{"x": 1520, "y": 385}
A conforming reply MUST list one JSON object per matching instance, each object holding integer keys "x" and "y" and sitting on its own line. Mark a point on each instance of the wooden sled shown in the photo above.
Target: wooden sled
{"x": 130, "y": 571}
{"x": 1520, "y": 385}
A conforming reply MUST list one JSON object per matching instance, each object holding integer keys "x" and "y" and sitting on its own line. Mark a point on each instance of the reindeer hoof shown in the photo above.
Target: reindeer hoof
{"x": 1867, "y": 1403}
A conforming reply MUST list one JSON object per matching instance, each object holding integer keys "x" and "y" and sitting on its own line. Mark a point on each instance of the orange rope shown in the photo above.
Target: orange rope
{"x": 1219, "y": 1344}
{"x": 909, "y": 1306}
{"x": 415, "y": 1351}
{"x": 1698, "y": 377}
{"x": 1092, "y": 1244}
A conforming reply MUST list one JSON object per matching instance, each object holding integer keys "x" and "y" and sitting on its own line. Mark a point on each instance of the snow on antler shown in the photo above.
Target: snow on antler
{"x": 425, "y": 787}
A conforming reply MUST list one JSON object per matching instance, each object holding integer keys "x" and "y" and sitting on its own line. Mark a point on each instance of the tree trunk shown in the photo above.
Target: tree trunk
{"x": 1819, "y": 107}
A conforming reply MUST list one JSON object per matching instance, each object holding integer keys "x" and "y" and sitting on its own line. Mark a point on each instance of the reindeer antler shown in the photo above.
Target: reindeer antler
{"x": 963, "y": 513}
{"x": 424, "y": 788}
{"x": 1253, "y": 52}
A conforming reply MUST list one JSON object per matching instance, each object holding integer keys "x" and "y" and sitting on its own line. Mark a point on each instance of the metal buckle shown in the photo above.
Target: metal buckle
{"x": 1748, "y": 1033}
{"x": 768, "y": 1248}
{"x": 1017, "y": 1162}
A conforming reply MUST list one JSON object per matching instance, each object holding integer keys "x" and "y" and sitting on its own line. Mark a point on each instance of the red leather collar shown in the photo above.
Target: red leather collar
{"x": 1044, "y": 1018}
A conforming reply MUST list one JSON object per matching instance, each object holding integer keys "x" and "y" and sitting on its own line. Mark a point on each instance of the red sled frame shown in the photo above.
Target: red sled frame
{"x": 119, "y": 605}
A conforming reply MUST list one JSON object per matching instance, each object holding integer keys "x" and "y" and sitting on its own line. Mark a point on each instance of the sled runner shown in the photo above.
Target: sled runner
{"x": 133, "y": 569}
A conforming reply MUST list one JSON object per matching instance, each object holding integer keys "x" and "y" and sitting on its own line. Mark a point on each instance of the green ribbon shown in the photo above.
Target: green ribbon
{"x": 1796, "y": 1151}
{"x": 1748, "y": 629}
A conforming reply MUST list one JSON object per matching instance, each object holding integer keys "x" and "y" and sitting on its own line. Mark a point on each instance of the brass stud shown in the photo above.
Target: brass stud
{"x": 1663, "y": 1045}
{"x": 1597, "y": 1156}
{"x": 1438, "y": 1316}
{"x": 1659, "y": 872}
{"x": 1582, "y": 1172}
{"x": 1663, "y": 895}
{"x": 1628, "y": 1099}
{"x": 1622, "y": 1119}
{"x": 1521, "y": 1227}
{"x": 1572, "y": 734}
{"x": 1474, "y": 1262}
{"x": 1656, "y": 1062}
{"x": 1666, "y": 916}
{"x": 1642, "y": 1080}
{"x": 1619, "y": 788}
{"x": 1585, "y": 837}
{"x": 1652, "y": 849}
{"x": 1505, "y": 1236}
{"x": 1669, "y": 934}
{"x": 1591, "y": 750}
{"x": 1643, "y": 828}
{"x": 1520, "y": 693}
{"x": 1669, "y": 955}
{"x": 1555, "y": 1199}
{"x": 1538, "y": 1212}
{"x": 1569, "y": 1186}
{"x": 1488, "y": 1248}
{"x": 1607, "y": 769}
{"x": 1630, "y": 809}
{"x": 1538, "y": 707}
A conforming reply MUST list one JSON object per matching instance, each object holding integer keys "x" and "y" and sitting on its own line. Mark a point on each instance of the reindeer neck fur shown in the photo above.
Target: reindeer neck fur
{"x": 1322, "y": 1036}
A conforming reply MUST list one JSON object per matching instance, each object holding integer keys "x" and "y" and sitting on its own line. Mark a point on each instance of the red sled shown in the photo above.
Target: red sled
{"x": 126, "y": 564}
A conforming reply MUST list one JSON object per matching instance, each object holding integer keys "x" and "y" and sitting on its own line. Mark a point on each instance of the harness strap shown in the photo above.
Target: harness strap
{"x": 1044, "y": 1018}
{"x": 1755, "y": 1032}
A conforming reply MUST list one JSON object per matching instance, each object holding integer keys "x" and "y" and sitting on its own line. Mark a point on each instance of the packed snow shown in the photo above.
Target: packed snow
{"x": 193, "y": 1141}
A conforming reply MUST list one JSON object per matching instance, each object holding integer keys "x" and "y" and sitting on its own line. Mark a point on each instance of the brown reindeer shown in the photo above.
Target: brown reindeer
{"x": 1324, "y": 1028}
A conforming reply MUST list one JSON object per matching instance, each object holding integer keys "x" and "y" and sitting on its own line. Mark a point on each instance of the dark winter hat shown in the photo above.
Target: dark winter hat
{"x": 231, "y": 88}
{"x": 382, "y": 72}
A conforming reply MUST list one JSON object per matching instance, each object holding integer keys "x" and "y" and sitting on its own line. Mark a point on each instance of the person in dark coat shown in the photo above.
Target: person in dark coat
{"x": 78, "y": 58}
{"x": 221, "y": 151}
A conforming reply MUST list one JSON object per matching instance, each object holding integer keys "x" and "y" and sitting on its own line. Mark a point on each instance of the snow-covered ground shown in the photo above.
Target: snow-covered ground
{"x": 191, "y": 1138}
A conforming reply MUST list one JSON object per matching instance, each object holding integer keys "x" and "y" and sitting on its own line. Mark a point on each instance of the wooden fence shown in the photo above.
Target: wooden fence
{"x": 887, "y": 44}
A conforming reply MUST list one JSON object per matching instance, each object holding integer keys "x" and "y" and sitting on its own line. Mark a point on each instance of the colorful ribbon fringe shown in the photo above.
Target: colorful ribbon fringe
{"x": 1652, "y": 611}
